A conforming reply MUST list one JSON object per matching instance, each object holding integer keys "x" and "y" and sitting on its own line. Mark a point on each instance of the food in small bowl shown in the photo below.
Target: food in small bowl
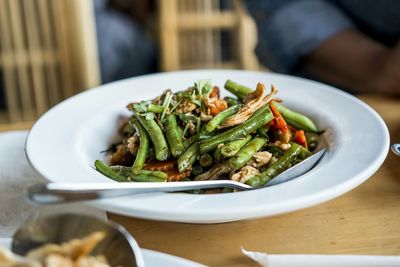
{"x": 195, "y": 134}
{"x": 74, "y": 253}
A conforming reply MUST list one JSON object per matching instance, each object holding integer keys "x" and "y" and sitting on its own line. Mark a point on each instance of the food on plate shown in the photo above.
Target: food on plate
{"x": 74, "y": 253}
{"x": 195, "y": 134}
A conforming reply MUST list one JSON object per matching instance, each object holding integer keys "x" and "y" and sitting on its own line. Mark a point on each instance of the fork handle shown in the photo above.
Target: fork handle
{"x": 51, "y": 193}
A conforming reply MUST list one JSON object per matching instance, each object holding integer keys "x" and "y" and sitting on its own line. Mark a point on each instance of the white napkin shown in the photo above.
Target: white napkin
{"x": 308, "y": 260}
{"x": 16, "y": 175}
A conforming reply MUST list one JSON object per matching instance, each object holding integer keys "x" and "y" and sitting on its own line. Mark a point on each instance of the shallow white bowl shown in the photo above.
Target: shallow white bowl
{"x": 65, "y": 141}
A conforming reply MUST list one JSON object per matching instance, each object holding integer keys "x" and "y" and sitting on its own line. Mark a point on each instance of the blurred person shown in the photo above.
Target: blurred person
{"x": 125, "y": 48}
{"x": 353, "y": 44}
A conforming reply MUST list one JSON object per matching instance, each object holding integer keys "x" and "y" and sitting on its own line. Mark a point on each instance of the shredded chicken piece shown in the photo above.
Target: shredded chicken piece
{"x": 214, "y": 172}
{"x": 245, "y": 174}
{"x": 282, "y": 145}
{"x": 132, "y": 143}
{"x": 259, "y": 159}
{"x": 192, "y": 128}
{"x": 205, "y": 117}
{"x": 74, "y": 249}
{"x": 185, "y": 107}
{"x": 285, "y": 137}
{"x": 253, "y": 101}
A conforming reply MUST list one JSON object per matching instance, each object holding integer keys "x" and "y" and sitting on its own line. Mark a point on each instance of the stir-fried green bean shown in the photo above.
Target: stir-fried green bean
{"x": 220, "y": 117}
{"x": 283, "y": 162}
{"x": 127, "y": 173}
{"x": 147, "y": 178}
{"x": 217, "y": 153}
{"x": 231, "y": 101}
{"x": 246, "y": 152}
{"x": 158, "y": 174}
{"x": 206, "y": 160}
{"x": 173, "y": 135}
{"x": 107, "y": 171}
{"x": 143, "y": 149}
{"x": 304, "y": 153}
{"x": 156, "y": 136}
{"x": 188, "y": 157}
{"x": 312, "y": 140}
{"x": 258, "y": 180}
{"x": 155, "y": 108}
{"x": 296, "y": 119}
{"x": 234, "y": 146}
{"x": 238, "y": 90}
{"x": 261, "y": 117}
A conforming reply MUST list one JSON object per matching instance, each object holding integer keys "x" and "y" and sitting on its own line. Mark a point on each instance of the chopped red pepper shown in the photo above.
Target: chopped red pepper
{"x": 214, "y": 92}
{"x": 300, "y": 138}
{"x": 279, "y": 121}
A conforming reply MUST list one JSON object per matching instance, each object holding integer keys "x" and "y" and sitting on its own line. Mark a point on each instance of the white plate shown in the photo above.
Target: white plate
{"x": 151, "y": 258}
{"x": 64, "y": 143}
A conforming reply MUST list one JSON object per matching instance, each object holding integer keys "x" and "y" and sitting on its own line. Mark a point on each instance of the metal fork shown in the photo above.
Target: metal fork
{"x": 51, "y": 193}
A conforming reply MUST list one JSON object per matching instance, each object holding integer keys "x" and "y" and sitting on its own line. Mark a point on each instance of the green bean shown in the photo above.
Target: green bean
{"x": 234, "y": 146}
{"x": 188, "y": 157}
{"x": 146, "y": 178}
{"x": 107, "y": 171}
{"x": 128, "y": 174}
{"x": 238, "y": 90}
{"x": 173, "y": 135}
{"x": 217, "y": 154}
{"x": 206, "y": 160}
{"x": 246, "y": 152}
{"x": 123, "y": 171}
{"x": 220, "y": 117}
{"x": 156, "y": 136}
{"x": 155, "y": 108}
{"x": 158, "y": 174}
{"x": 283, "y": 162}
{"x": 275, "y": 151}
{"x": 258, "y": 180}
{"x": 261, "y": 132}
{"x": 261, "y": 117}
{"x": 188, "y": 142}
{"x": 143, "y": 149}
{"x": 304, "y": 153}
{"x": 231, "y": 101}
{"x": 197, "y": 137}
{"x": 312, "y": 140}
{"x": 296, "y": 119}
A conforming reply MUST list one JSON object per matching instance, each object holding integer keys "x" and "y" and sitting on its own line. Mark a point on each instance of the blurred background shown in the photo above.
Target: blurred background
{"x": 53, "y": 49}
{"x": 50, "y": 50}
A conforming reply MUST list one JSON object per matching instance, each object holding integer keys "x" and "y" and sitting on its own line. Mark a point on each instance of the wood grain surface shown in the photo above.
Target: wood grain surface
{"x": 363, "y": 221}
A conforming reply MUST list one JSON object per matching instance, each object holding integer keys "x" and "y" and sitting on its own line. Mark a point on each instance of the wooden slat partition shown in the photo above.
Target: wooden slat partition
{"x": 20, "y": 45}
{"x": 8, "y": 65}
{"x": 53, "y": 81}
{"x": 191, "y": 32}
{"x": 48, "y": 52}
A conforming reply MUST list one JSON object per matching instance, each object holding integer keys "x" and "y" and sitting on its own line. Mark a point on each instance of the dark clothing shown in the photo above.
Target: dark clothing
{"x": 291, "y": 29}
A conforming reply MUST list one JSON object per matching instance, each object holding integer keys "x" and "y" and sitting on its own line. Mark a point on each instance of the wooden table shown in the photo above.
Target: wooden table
{"x": 363, "y": 221}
